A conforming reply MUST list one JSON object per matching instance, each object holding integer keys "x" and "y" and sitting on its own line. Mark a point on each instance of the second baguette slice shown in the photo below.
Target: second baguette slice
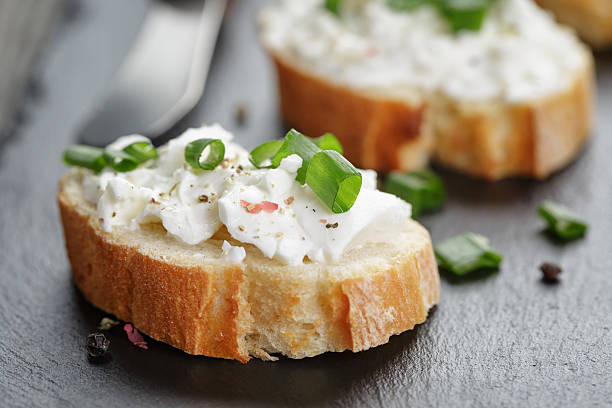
{"x": 489, "y": 139}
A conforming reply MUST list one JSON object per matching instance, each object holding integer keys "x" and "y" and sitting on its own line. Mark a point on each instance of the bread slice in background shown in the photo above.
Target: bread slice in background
{"x": 592, "y": 19}
{"x": 399, "y": 89}
{"x": 190, "y": 297}
{"x": 491, "y": 139}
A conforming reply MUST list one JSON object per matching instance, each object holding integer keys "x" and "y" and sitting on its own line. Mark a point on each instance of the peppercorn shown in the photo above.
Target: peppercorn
{"x": 97, "y": 345}
{"x": 550, "y": 271}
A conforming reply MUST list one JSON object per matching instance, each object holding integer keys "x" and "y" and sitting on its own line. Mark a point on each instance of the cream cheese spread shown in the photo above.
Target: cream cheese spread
{"x": 266, "y": 208}
{"x": 520, "y": 53}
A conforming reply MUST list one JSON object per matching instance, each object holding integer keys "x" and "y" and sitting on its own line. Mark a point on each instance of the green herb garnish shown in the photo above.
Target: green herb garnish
{"x": 85, "y": 156}
{"x": 423, "y": 189}
{"x": 263, "y": 153}
{"x": 333, "y": 6}
{"x": 328, "y": 142}
{"x": 296, "y": 143}
{"x": 96, "y": 159}
{"x": 198, "y": 159}
{"x": 460, "y": 14}
{"x": 466, "y": 253}
{"x": 562, "y": 222}
{"x": 141, "y": 151}
{"x": 464, "y": 14}
{"x": 120, "y": 161}
{"x": 333, "y": 178}
{"x": 107, "y": 323}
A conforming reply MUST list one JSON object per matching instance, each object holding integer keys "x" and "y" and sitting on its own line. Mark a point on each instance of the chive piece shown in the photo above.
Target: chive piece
{"x": 296, "y": 143}
{"x": 141, "y": 151}
{"x": 423, "y": 189}
{"x": 328, "y": 142}
{"x": 264, "y": 152}
{"x": 466, "y": 253}
{"x": 85, "y": 156}
{"x": 195, "y": 149}
{"x": 120, "y": 161}
{"x": 333, "y": 6}
{"x": 334, "y": 180}
{"x": 464, "y": 14}
{"x": 563, "y": 223}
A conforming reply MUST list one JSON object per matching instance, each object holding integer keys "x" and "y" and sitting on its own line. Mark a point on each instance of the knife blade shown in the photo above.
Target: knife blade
{"x": 164, "y": 75}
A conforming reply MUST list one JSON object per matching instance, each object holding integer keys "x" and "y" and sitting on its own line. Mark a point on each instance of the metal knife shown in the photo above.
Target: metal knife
{"x": 164, "y": 76}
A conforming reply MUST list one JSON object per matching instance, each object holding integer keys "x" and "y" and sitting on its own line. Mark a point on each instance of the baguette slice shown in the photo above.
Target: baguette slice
{"x": 191, "y": 298}
{"x": 492, "y": 139}
{"x": 592, "y": 19}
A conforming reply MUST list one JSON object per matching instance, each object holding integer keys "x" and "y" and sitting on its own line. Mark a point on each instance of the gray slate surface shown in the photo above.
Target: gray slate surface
{"x": 504, "y": 339}
{"x": 25, "y": 25}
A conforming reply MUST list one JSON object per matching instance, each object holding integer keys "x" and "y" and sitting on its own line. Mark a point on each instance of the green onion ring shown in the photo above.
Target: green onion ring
{"x": 264, "y": 152}
{"x": 328, "y": 142}
{"x": 296, "y": 143}
{"x": 334, "y": 180}
{"x": 141, "y": 151}
{"x": 85, "y": 156}
{"x": 563, "y": 223}
{"x": 466, "y": 253}
{"x": 120, "y": 161}
{"x": 464, "y": 14}
{"x": 333, "y": 6}
{"x": 194, "y": 150}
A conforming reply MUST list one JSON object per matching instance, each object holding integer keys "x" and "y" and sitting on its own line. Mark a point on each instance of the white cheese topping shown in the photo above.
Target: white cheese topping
{"x": 520, "y": 53}
{"x": 263, "y": 207}
{"x": 233, "y": 253}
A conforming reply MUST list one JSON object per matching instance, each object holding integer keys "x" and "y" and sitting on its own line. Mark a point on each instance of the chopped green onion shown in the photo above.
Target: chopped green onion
{"x": 466, "y": 253}
{"x": 264, "y": 152}
{"x": 464, "y": 14}
{"x": 334, "y": 180}
{"x": 296, "y": 143}
{"x": 333, "y": 6}
{"x": 141, "y": 151}
{"x": 85, "y": 156}
{"x": 562, "y": 222}
{"x": 460, "y": 14}
{"x": 195, "y": 149}
{"x": 423, "y": 189}
{"x": 328, "y": 142}
{"x": 120, "y": 161}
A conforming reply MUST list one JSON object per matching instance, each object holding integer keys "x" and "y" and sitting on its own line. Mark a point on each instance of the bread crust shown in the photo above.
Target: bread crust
{"x": 372, "y": 127}
{"x": 592, "y": 19}
{"x": 492, "y": 140}
{"x": 170, "y": 303}
{"x": 215, "y": 309}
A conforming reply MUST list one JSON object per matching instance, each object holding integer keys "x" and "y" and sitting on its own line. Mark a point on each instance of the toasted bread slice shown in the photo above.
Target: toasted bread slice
{"x": 398, "y": 88}
{"x": 592, "y": 19}
{"x": 491, "y": 139}
{"x": 190, "y": 297}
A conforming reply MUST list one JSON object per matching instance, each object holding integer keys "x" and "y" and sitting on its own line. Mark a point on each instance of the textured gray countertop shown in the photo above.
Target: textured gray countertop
{"x": 503, "y": 339}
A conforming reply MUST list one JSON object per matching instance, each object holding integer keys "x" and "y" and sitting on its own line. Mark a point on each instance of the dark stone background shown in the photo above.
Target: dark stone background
{"x": 502, "y": 339}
